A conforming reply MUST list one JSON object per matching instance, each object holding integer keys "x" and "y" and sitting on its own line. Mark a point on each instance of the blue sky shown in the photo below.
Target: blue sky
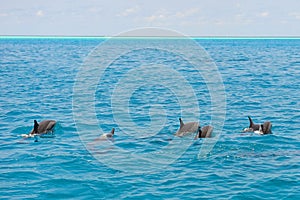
{"x": 190, "y": 17}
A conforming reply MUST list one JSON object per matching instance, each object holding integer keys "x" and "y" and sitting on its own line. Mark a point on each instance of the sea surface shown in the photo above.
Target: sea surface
{"x": 141, "y": 87}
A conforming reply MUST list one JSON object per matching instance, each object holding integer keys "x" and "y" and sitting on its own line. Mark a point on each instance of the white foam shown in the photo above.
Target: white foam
{"x": 28, "y": 135}
{"x": 259, "y": 132}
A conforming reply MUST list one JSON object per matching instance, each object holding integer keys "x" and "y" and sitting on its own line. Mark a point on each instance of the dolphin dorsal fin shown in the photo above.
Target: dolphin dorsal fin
{"x": 251, "y": 122}
{"x": 35, "y": 127}
{"x": 181, "y": 123}
{"x": 199, "y": 132}
{"x": 112, "y": 131}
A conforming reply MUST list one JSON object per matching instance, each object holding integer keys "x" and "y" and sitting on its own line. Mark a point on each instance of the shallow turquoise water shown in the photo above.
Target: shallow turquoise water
{"x": 261, "y": 79}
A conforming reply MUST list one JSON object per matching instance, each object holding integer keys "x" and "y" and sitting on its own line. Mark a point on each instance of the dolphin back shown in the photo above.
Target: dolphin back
{"x": 187, "y": 129}
{"x": 266, "y": 128}
{"x": 46, "y": 126}
{"x": 206, "y": 131}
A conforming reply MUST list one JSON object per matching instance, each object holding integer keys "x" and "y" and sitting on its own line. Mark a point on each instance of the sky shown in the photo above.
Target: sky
{"x": 189, "y": 17}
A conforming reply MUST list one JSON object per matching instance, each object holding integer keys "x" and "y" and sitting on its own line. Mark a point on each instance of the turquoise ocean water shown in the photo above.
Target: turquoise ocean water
{"x": 261, "y": 78}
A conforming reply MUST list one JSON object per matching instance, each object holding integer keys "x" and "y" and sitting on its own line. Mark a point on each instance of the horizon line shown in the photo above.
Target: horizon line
{"x": 147, "y": 36}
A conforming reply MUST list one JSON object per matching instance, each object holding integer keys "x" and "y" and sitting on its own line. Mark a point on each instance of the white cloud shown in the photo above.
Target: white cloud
{"x": 163, "y": 15}
{"x": 129, "y": 11}
{"x": 155, "y": 17}
{"x": 94, "y": 9}
{"x": 242, "y": 18}
{"x": 296, "y": 15}
{"x": 3, "y": 14}
{"x": 159, "y": 16}
{"x": 219, "y": 22}
{"x": 264, "y": 14}
{"x": 39, "y": 13}
{"x": 187, "y": 13}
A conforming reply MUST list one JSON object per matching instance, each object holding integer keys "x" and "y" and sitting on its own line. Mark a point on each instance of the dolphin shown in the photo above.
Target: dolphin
{"x": 100, "y": 145}
{"x": 102, "y": 138}
{"x": 107, "y": 135}
{"x": 264, "y": 128}
{"x": 204, "y": 132}
{"x": 43, "y": 127}
{"x": 187, "y": 128}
